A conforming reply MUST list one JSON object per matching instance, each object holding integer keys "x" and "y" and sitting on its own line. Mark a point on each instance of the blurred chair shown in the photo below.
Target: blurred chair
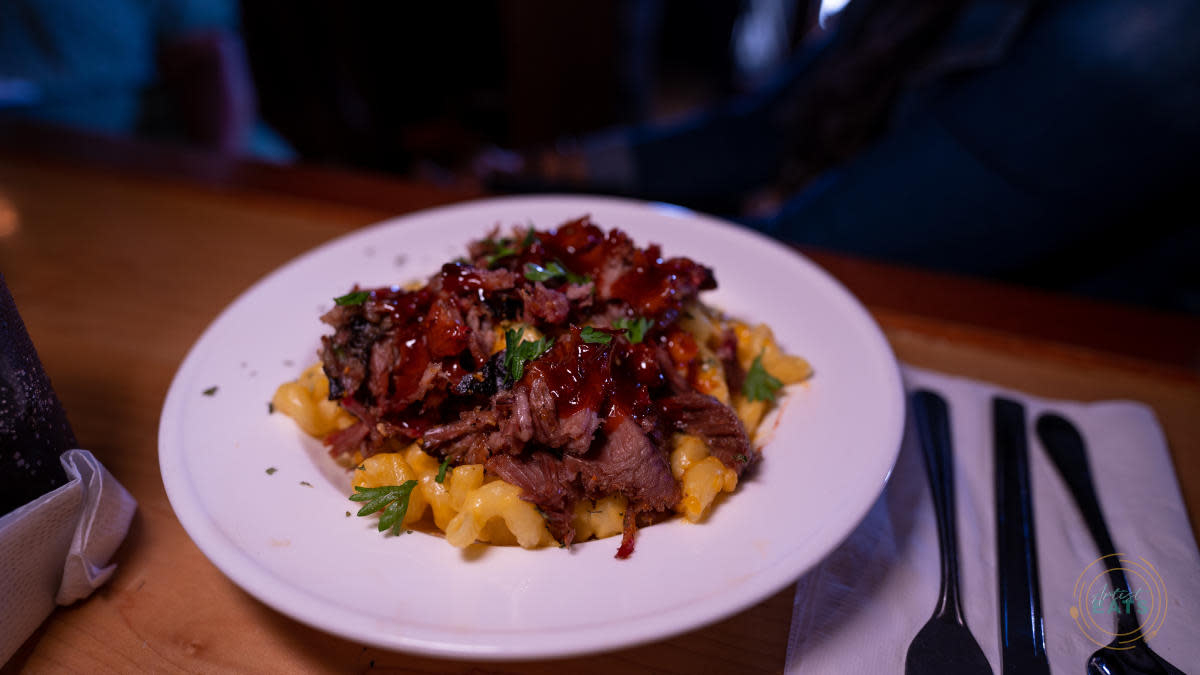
{"x": 1051, "y": 142}
{"x": 173, "y": 69}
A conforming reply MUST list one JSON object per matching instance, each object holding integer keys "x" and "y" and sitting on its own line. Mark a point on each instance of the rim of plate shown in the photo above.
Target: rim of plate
{"x": 258, "y": 581}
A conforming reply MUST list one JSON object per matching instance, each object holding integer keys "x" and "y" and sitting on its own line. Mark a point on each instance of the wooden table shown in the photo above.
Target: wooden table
{"x": 119, "y": 254}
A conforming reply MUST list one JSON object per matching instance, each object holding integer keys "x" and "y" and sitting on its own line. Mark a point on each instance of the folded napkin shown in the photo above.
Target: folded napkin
{"x": 858, "y": 610}
{"x": 56, "y": 548}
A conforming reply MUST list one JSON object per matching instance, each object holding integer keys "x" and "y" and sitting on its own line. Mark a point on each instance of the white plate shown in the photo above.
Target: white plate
{"x": 286, "y": 539}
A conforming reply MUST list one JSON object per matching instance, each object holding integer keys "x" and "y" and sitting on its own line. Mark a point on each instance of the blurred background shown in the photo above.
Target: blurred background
{"x": 1051, "y": 143}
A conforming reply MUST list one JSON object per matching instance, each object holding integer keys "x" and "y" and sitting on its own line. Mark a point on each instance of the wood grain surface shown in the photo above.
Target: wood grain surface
{"x": 117, "y": 270}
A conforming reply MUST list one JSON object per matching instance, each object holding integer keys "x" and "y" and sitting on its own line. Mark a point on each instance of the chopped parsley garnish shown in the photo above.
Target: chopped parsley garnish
{"x": 742, "y": 459}
{"x": 635, "y": 329}
{"x": 391, "y": 499}
{"x": 306, "y": 483}
{"x": 355, "y": 298}
{"x": 502, "y": 249}
{"x": 518, "y": 352}
{"x": 270, "y": 407}
{"x": 594, "y": 336}
{"x": 552, "y": 270}
{"x": 760, "y": 385}
{"x": 502, "y": 252}
{"x": 271, "y": 470}
{"x": 441, "y": 474}
{"x": 210, "y": 391}
{"x": 505, "y": 247}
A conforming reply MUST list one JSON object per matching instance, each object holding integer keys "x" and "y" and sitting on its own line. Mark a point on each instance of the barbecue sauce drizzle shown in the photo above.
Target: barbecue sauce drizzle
{"x": 617, "y": 379}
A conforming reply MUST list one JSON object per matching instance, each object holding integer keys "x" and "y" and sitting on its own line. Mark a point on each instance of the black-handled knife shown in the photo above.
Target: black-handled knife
{"x": 1022, "y": 634}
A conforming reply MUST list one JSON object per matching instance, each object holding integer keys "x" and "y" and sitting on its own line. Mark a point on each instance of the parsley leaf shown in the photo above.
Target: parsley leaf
{"x": 271, "y": 470}
{"x": 635, "y": 329}
{"x": 553, "y": 270}
{"x": 530, "y": 237}
{"x": 760, "y": 385}
{"x": 594, "y": 336}
{"x": 518, "y": 352}
{"x": 391, "y": 499}
{"x": 211, "y": 391}
{"x": 355, "y": 298}
{"x": 441, "y": 474}
{"x": 503, "y": 249}
{"x": 503, "y": 252}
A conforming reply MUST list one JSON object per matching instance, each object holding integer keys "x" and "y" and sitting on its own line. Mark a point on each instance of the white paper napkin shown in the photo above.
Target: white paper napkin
{"x": 859, "y": 609}
{"x": 56, "y": 548}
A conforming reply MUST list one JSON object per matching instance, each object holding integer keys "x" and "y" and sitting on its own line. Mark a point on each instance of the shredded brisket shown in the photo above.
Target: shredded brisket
{"x": 547, "y": 483}
{"x": 628, "y": 463}
{"x": 718, "y": 424}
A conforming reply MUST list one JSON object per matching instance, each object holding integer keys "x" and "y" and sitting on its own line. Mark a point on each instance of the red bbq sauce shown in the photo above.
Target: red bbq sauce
{"x": 616, "y": 378}
{"x": 578, "y": 373}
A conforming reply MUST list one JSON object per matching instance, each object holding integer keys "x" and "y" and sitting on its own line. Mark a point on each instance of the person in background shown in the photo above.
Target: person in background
{"x": 1051, "y": 142}
{"x": 166, "y": 69}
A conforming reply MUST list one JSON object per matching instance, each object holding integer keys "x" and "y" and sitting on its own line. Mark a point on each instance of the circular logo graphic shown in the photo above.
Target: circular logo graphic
{"x": 1117, "y": 615}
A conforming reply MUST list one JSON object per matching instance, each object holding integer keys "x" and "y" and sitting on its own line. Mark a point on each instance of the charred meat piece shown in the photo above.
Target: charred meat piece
{"x": 547, "y": 483}
{"x": 580, "y": 294}
{"x": 716, "y": 423}
{"x": 345, "y": 354}
{"x": 629, "y": 463}
{"x": 470, "y": 422}
{"x": 572, "y": 433}
{"x": 545, "y": 305}
{"x": 484, "y": 382}
{"x": 735, "y": 377}
{"x": 348, "y": 440}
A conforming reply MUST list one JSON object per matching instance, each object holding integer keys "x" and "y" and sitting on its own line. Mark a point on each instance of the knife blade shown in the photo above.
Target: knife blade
{"x": 1022, "y": 634}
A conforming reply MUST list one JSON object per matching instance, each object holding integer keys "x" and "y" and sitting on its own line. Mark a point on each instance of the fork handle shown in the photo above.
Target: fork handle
{"x": 932, "y": 419}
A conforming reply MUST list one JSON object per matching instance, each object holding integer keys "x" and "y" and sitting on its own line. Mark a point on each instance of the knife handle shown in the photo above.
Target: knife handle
{"x": 1022, "y": 633}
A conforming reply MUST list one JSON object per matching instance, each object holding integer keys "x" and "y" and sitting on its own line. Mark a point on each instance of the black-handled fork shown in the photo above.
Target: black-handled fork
{"x": 1128, "y": 652}
{"x": 944, "y": 644}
